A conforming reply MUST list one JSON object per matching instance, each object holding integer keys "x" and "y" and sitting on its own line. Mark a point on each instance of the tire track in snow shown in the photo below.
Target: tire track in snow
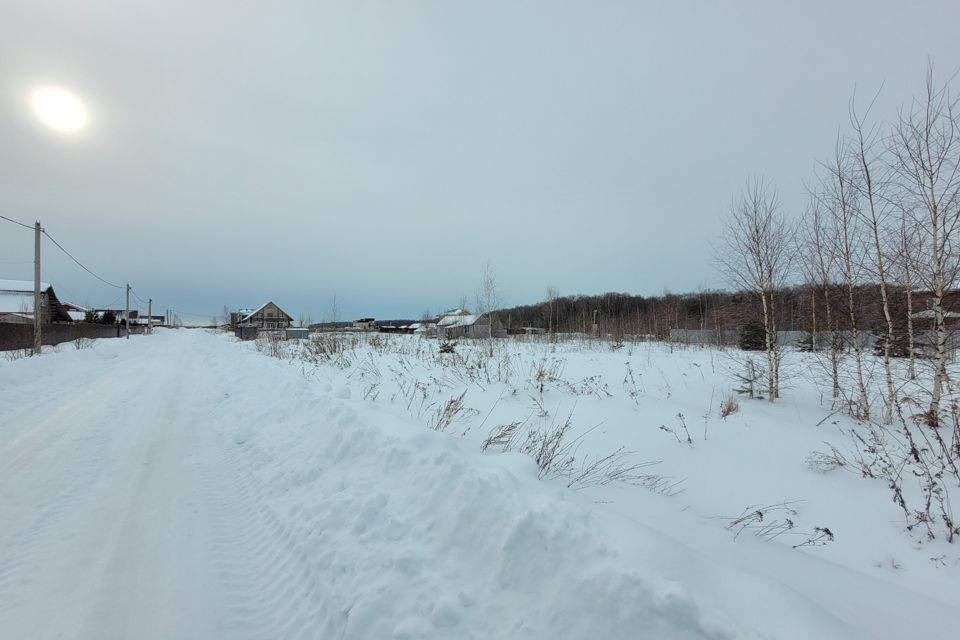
{"x": 46, "y": 465}
{"x": 109, "y": 533}
{"x": 272, "y": 587}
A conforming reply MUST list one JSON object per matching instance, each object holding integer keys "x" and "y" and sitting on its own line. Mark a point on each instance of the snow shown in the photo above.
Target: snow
{"x": 463, "y": 320}
{"x": 230, "y": 494}
{"x": 16, "y": 296}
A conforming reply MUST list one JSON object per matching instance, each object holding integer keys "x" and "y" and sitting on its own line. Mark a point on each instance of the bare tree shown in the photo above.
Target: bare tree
{"x": 488, "y": 300}
{"x": 818, "y": 267}
{"x": 875, "y": 212}
{"x": 926, "y": 151}
{"x": 839, "y": 197}
{"x": 904, "y": 269}
{"x": 334, "y": 310}
{"x": 754, "y": 253}
{"x": 552, "y": 295}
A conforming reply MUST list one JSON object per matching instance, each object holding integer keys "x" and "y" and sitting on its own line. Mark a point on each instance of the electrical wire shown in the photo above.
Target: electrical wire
{"x": 80, "y": 264}
{"x": 71, "y": 256}
{"x": 110, "y": 304}
{"x": 26, "y": 226}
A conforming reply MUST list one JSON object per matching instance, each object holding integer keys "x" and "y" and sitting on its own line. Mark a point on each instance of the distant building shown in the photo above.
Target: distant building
{"x": 460, "y": 323}
{"x": 76, "y": 312}
{"x": 365, "y": 324}
{"x": 16, "y": 303}
{"x": 267, "y": 316}
{"x": 137, "y": 318}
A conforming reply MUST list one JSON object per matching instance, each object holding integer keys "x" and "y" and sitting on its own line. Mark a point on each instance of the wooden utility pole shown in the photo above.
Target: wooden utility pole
{"x": 37, "y": 306}
{"x": 149, "y": 315}
{"x": 126, "y": 319}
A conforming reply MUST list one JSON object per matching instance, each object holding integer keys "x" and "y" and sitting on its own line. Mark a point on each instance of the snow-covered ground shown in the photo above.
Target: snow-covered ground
{"x": 185, "y": 485}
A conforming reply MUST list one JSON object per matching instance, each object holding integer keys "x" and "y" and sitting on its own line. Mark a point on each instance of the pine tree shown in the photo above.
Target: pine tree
{"x": 753, "y": 336}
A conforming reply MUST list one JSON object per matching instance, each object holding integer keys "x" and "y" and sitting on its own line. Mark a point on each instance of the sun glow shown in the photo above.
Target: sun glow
{"x": 58, "y": 109}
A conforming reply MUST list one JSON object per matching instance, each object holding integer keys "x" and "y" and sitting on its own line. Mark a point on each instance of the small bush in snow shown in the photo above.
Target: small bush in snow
{"x": 825, "y": 462}
{"x": 729, "y": 406}
{"x": 270, "y": 343}
{"x": 685, "y": 439}
{"x": 774, "y": 520}
{"x": 920, "y": 465}
{"x": 749, "y": 379}
{"x": 17, "y": 354}
{"x": 448, "y": 347}
{"x": 502, "y": 436}
{"x": 447, "y": 413}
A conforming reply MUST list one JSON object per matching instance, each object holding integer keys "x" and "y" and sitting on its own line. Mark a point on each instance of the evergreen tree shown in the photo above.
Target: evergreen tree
{"x": 753, "y": 336}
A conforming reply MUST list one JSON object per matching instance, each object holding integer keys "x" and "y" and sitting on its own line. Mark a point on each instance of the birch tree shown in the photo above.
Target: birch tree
{"x": 754, "y": 253}
{"x": 926, "y": 160}
{"x": 875, "y": 213}
{"x": 552, "y": 295}
{"x": 819, "y": 266}
{"x": 488, "y": 301}
{"x": 840, "y": 198}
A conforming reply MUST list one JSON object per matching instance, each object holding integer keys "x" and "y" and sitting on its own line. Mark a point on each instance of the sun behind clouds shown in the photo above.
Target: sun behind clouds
{"x": 59, "y": 109}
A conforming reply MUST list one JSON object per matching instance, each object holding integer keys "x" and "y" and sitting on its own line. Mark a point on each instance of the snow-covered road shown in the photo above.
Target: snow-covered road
{"x": 105, "y": 493}
{"x": 184, "y": 486}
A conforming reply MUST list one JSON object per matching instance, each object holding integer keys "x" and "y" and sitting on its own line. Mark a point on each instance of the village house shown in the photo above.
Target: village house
{"x": 365, "y": 324}
{"x": 460, "y": 323}
{"x": 76, "y": 312}
{"x": 16, "y": 303}
{"x": 266, "y": 317}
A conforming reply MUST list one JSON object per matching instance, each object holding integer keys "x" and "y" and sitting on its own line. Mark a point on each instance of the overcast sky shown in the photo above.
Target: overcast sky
{"x": 383, "y": 151}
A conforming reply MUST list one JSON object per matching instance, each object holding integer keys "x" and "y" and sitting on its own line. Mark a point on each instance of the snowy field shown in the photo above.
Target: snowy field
{"x": 186, "y": 485}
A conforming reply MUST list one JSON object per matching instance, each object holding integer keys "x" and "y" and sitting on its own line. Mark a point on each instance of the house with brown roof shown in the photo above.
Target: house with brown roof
{"x": 265, "y": 317}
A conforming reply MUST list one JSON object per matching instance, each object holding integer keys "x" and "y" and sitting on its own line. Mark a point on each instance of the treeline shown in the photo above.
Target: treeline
{"x": 799, "y": 308}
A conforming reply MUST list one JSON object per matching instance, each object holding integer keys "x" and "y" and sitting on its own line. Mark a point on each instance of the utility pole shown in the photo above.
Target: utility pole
{"x": 37, "y": 306}
{"x": 126, "y": 319}
{"x": 149, "y": 315}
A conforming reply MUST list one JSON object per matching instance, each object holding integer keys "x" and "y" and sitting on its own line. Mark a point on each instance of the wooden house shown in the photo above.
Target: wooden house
{"x": 16, "y": 303}
{"x": 266, "y": 317}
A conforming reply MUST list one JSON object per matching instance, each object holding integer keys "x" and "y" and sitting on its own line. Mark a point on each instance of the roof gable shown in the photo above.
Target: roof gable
{"x": 264, "y": 306}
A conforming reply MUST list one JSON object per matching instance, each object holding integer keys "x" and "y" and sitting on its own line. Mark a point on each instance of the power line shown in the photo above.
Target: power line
{"x": 26, "y": 226}
{"x": 72, "y": 257}
{"x": 81, "y": 265}
{"x": 110, "y": 304}
{"x": 76, "y": 297}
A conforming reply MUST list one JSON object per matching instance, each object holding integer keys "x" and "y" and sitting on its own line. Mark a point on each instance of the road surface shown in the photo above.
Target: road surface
{"x": 122, "y": 514}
